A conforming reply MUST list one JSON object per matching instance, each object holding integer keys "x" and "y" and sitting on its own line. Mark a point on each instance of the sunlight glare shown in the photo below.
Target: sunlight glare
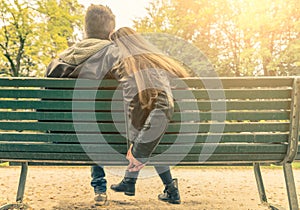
{"x": 125, "y": 11}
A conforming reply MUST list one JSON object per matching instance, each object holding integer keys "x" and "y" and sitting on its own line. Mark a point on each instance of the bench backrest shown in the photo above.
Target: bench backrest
{"x": 216, "y": 120}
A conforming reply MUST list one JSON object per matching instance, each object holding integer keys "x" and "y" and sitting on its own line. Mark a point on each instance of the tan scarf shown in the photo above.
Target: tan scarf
{"x": 81, "y": 51}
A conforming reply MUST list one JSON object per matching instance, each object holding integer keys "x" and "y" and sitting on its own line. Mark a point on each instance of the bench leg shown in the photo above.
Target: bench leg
{"x": 20, "y": 193}
{"x": 22, "y": 181}
{"x": 290, "y": 186}
{"x": 260, "y": 184}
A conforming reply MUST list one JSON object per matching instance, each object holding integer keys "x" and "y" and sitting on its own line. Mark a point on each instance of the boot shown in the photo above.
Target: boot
{"x": 127, "y": 185}
{"x": 171, "y": 193}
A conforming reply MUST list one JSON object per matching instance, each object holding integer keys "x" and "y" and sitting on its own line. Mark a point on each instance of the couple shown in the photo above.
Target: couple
{"x": 144, "y": 74}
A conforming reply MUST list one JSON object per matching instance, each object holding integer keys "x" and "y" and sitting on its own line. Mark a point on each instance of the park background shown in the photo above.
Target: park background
{"x": 239, "y": 37}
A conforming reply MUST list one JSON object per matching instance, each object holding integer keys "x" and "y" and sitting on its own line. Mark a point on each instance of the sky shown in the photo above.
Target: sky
{"x": 124, "y": 10}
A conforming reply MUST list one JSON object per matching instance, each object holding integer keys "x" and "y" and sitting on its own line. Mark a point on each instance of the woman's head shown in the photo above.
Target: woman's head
{"x": 131, "y": 43}
{"x": 139, "y": 53}
{"x": 121, "y": 32}
{"x": 141, "y": 60}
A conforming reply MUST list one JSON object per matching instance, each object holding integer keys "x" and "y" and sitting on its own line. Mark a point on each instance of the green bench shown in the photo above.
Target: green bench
{"x": 217, "y": 121}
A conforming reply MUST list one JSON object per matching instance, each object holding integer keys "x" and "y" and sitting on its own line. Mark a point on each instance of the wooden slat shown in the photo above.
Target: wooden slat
{"x": 60, "y": 94}
{"x": 112, "y": 159}
{"x": 233, "y": 105}
{"x": 178, "y": 94}
{"x": 61, "y": 105}
{"x": 225, "y": 138}
{"x": 230, "y": 127}
{"x": 235, "y": 82}
{"x": 119, "y": 116}
{"x": 62, "y": 126}
{"x": 217, "y": 159}
{"x": 118, "y": 105}
{"x": 55, "y": 82}
{"x": 102, "y": 148}
{"x": 167, "y": 138}
{"x": 233, "y": 94}
{"x": 64, "y": 116}
{"x": 62, "y": 137}
{"x": 227, "y": 82}
{"x": 173, "y": 127}
{"x": 219, "y": 148}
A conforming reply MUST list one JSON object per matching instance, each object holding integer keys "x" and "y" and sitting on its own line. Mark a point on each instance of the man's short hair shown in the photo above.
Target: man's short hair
{"x": 99, "y": 22}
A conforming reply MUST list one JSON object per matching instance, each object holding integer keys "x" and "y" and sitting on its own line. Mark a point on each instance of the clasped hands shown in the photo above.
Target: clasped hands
{"x": 134, "y": 165}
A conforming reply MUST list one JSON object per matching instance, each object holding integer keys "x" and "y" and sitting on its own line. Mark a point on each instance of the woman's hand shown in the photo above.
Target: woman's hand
{"x": 134, "y": 164}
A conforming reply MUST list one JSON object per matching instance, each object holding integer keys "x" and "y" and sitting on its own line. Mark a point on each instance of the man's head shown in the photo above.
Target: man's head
{"x": 99, "y": 22}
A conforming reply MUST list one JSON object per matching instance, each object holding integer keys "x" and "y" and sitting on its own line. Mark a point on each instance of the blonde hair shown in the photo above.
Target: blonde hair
{"x": 99, "y": 22}
{"x": 138, "y": 54}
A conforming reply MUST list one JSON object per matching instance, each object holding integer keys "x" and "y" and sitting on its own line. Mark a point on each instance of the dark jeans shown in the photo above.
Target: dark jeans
{"x": 98, "y": 179}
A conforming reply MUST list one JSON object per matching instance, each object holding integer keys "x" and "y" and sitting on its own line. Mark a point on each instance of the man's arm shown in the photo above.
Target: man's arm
{"x": 59, "y": 69}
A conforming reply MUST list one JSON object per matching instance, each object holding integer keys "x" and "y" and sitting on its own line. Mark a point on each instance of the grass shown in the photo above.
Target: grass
{"x": 4, "y": 164}
{"x": 296, "y": 165}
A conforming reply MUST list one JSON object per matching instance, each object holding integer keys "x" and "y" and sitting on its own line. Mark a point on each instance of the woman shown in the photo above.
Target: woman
{"x": 144, "y": 74}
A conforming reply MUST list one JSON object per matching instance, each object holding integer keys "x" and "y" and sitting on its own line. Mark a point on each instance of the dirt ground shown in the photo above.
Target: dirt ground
{"x": 201, "y": 188}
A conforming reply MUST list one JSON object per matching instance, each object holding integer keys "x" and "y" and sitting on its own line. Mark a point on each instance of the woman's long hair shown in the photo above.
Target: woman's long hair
{"x": 139, "y": 59}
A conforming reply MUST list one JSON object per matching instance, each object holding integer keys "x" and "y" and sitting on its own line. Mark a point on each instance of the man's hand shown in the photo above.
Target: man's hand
{"x": 134, "y": 164}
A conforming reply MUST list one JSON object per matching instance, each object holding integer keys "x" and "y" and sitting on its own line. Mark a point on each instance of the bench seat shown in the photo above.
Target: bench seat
{"x": 216, "y": 121}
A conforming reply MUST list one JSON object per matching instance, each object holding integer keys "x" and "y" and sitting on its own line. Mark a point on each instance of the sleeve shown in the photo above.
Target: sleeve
{"x": 58, "y": 69}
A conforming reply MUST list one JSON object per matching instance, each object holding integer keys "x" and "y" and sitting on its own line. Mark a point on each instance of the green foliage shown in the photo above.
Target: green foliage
{"x": 33, "y": 32}
{"x": 4, "y": 164}
{"x": 240, "y": 38}
{"x": 187, "y": 54}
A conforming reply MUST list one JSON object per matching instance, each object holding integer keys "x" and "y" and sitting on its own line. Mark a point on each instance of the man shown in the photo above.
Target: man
{"x": 82, "y": 61}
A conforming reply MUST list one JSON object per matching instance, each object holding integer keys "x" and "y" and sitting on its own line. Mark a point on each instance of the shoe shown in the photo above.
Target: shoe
{"x": 101, "y": 199}
{"x": 171, "y": 193}
{"x": 127, "y": 185}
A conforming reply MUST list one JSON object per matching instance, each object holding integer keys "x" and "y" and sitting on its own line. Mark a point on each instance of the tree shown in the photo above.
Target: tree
{"x": 240, "y": 38}
{"x": 15, "y": 30}
{"x": 183, "y": 20}
{"x": 62, "y": 20}
{"x": 33, "y": 32}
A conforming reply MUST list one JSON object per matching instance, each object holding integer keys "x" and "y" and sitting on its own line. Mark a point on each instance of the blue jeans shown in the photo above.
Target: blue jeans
{"x": 98, "y": 179}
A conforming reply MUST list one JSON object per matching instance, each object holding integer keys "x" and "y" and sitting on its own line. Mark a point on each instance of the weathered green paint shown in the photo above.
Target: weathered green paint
{"x": 167, "y": 138}
{"x": 55, "y": 83}
{"x": 60, "y": 94}
{"x": 118, "y": 105}
{"x": 229, "y": 121}
{"x": 178, "y": 116}
{"x": 117, "y": 94}
{"x": 114, "y": 159}
{"x": 260, "y": 184}
{"x": 22, "y": 182}
{"x": 290, "y": 186}
{"x": 173, "y": 127}
{"x": 227, "y": 82}
{"x": 104, "y": 148}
